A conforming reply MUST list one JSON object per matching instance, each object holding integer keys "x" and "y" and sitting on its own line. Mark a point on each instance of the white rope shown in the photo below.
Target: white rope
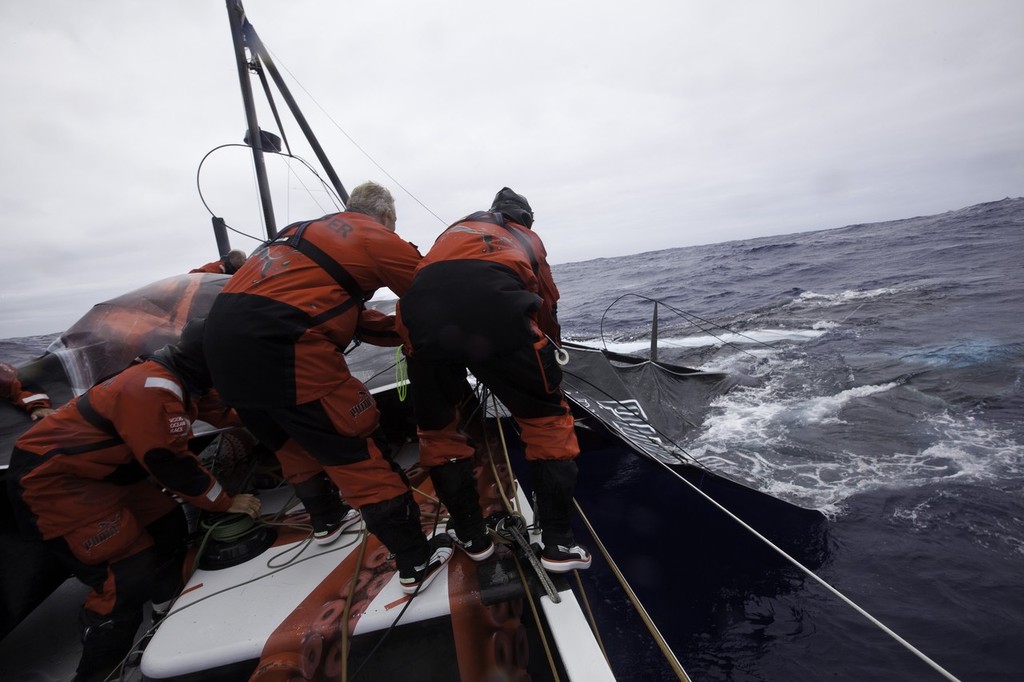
{"x": 935, "y": 666}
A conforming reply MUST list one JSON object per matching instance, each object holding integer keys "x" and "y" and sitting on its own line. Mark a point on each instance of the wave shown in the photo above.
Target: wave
{"x": 754, "y": 336}
{"x": 757, "y": 436}
{"x": 848, "y": 296}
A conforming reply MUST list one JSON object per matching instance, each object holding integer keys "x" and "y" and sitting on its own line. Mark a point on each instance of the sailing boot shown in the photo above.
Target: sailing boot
{"x": 554, "y": 481}
{"x": 159, "y": 612}
{"x": 456, "y": 488}
{"x": 396, "y": 523}
{"x": 328, "y": 514}
{"x": 106, "y": 642}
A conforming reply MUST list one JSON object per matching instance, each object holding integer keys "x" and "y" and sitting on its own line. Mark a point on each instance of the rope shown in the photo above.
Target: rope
{"x": 590, "y": 611}
{"x": 510, "y": 508}
{"x": 659, "y": 639}
{"x": 348, "y": 606}
{"x": 536, "y": 619}
{"x": 230, "y": 528}
{"x": 401, "y": 375}
{"x": 224, "y": 528}
{"x": 506, "y": 502}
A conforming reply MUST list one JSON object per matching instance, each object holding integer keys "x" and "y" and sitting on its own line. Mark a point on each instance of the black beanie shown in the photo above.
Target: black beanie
{"x": 513, "y": 206}
{"x": 185, "y": 358}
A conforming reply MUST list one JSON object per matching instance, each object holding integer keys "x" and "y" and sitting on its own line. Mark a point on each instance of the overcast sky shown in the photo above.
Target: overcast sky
{"x": 630, "y": 126}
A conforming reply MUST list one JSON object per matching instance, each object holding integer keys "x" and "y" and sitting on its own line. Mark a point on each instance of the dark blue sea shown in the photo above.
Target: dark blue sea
{"x": 889, "y": 361}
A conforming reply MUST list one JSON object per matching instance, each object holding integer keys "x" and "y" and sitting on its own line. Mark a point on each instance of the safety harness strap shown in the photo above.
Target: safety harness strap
{"x": 292, "y": 236}
{"x": 90, "y": 415}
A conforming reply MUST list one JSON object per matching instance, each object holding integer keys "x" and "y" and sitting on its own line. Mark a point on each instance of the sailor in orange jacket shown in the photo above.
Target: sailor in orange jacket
{"x": 79, "y": 480}
{"x": 36, "y": 403}
{"x": 484, "y": 299}
{"x": 275, "y": 338}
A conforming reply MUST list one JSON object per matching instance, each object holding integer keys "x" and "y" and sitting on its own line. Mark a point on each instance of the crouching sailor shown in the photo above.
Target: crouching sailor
{"x": 80, "y": 481}
{"x": 275, "y": 338}
{"x": 484, "y": 299}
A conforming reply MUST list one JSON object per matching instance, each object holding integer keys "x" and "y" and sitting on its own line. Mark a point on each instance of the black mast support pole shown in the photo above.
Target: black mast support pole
{"x": 256, "y": 44}
{"x": 236, "y": 15}
{"x": 220, "y": 233}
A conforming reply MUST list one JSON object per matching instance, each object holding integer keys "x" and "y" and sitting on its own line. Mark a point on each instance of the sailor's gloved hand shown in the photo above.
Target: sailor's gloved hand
{"x": 245, "y": 504}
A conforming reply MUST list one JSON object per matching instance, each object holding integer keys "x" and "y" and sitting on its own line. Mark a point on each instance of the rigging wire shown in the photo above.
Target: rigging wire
{"x": 910, "y": 647}
{"x": 688, "y": 317}
{"x": 336, "y": 200}
{"x": 352, "y": 140}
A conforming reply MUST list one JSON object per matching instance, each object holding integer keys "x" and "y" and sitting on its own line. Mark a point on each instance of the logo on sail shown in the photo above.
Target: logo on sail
{"x": 627, "y": 417}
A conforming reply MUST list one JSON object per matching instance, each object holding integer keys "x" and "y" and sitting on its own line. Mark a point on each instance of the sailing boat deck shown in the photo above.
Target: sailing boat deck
{"x": 297, "y": 606}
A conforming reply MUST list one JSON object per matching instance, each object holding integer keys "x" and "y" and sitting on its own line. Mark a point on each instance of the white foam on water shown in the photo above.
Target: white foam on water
{"x": 747, "y": 434}
{"x": 979, "y": 450}
{"x": 753, "y": 434}
{"x": 848, "y": 296}
{"x": 754, "y": 336}
{"x": 747, "y": 437}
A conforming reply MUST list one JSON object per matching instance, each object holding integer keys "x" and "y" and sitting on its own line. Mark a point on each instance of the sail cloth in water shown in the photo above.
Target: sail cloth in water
{"x": 652, "y": 406}
{"x": 106, "y": 340}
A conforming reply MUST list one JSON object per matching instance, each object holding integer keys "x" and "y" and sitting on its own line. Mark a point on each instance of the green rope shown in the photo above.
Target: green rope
{"x": 401, "y": 375}
{"x": 230, "y": 528}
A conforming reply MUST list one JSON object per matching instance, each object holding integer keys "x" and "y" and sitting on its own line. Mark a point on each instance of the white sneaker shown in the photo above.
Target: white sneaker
{"x": 333, "y": 532}
{"x": 476, "y": 549}
{"x": 441, "y": 551}
{"x": 562, "y": 558}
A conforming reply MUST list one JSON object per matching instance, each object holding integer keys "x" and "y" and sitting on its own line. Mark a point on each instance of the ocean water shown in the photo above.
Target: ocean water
{"x": 889, "y": 360}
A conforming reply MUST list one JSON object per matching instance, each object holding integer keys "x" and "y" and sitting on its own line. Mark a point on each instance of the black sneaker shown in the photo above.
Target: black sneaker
{"x": 441, "y": 551}
{"x": 476, "y": 548}
{"x": 324, "y": 533}
{"x": 562, "y": 558}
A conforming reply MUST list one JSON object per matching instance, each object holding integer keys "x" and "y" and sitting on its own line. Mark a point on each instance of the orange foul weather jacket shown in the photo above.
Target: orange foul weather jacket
{"x": 486, "y": 282}
{"x": 277, "y": 331}
{"x": 214, "y": 268}
{"x": 79, "y": 470}
{"x": 484, "y": 297}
